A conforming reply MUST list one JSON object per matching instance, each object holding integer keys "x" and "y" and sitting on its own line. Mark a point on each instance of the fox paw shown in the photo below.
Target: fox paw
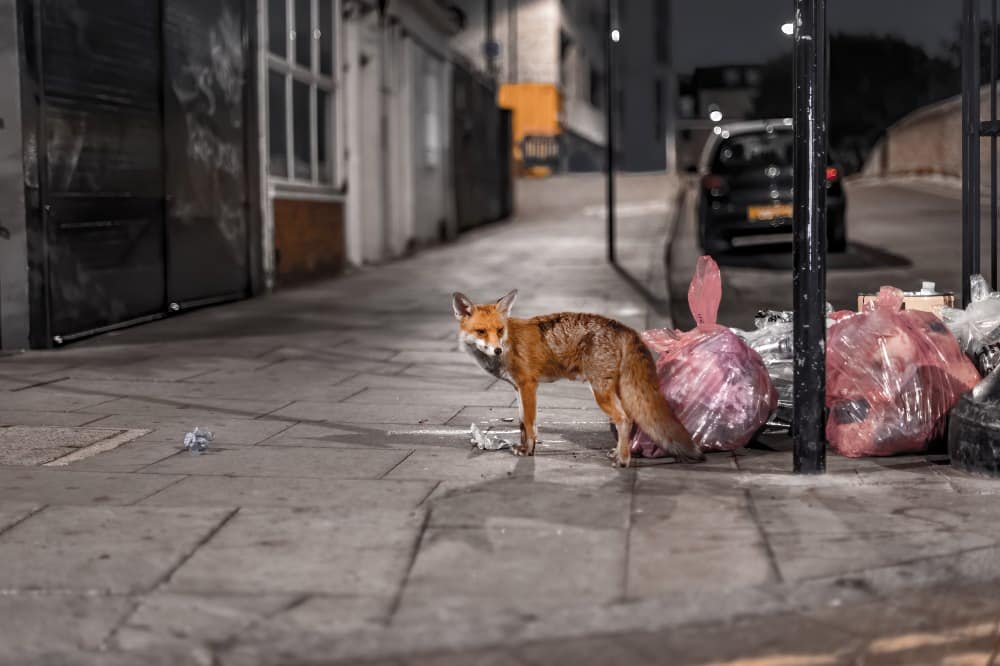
{"x": 524, "y": 450}
{"x": 621, "y": 462}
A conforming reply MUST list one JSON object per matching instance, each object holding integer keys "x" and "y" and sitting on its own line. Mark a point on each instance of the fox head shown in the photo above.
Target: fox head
{"x": 483, "y": 326}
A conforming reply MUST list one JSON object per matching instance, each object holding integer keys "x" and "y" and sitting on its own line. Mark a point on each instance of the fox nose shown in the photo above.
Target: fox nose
{"x": 498, "y": 351}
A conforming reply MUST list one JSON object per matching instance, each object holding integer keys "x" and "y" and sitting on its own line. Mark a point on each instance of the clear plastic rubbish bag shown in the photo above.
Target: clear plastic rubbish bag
{"x": 892, "y": 376}
{"x": 977, "y": 327}
{"x": 715, "y": 383}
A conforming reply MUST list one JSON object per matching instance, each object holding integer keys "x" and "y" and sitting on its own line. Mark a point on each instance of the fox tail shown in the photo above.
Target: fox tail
{"x": 644, "y": 404}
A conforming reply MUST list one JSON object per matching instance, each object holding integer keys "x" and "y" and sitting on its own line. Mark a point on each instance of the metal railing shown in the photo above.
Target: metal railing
{"x": 973, "y": 131}
{"x": 540, "y": 150}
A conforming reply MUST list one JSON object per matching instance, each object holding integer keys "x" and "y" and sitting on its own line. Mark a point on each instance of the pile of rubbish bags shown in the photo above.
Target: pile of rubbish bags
{"x": 893, "y": 374}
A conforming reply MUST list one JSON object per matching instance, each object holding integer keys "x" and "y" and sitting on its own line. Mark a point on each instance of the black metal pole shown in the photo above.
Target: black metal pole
{"x": 970, "y": 144}
{"x": 809, "y": 227}
{"x": 993, "y": 144}
{"x": 610, "y": 95}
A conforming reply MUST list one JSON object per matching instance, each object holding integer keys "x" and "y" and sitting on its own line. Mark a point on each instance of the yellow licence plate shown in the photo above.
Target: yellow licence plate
{"x": 769, "y": 212}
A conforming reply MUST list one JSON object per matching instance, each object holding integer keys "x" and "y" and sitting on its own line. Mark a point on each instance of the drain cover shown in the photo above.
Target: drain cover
{"x": 45, "y": 445}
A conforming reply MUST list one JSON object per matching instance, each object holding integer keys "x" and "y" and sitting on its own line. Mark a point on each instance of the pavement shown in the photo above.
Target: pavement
{"x": 342, "y": 516}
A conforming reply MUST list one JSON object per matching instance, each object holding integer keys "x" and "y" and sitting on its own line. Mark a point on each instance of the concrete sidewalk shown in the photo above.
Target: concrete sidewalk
{"x": 341, "y": 514}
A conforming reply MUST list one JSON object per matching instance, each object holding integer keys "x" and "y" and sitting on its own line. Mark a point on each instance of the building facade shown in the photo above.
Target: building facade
{"x": 162, "y": 155}
{"x": 550, "y": 57}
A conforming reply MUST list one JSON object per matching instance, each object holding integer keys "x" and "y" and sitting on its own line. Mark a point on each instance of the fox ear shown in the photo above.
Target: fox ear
{"x": 507, "y": 302}
{"x": 461, "y": 304}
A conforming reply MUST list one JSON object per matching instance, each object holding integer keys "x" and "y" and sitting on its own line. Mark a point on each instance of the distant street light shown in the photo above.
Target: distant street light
{"x": 616, "y": 35}
{"x": 717, "y": 130}
{"x": 788, "y": 29}
{"x": 715, "y": 116}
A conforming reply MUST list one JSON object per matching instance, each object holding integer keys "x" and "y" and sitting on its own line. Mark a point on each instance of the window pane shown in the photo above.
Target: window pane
{"x": 277, "y": 27}
{"x": 326, "y": 37}
{"x": 300, "y": 130}
{"x": 276, "y": 124}
{"x": 303, "y": 32}
{"x": 324, "y": 132}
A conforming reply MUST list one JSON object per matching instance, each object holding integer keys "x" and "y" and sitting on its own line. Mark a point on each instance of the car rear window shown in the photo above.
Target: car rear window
{"x": 753, "y": 149}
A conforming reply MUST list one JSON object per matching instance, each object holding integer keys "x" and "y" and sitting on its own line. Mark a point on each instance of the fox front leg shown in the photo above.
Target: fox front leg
{"x": 526, "y": 394}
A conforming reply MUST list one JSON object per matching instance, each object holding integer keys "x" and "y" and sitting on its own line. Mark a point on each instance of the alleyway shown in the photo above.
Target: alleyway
{"x": 342, "y": 515}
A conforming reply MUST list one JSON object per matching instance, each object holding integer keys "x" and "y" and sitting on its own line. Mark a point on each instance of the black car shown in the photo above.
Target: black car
{"x": 746, "y": 186}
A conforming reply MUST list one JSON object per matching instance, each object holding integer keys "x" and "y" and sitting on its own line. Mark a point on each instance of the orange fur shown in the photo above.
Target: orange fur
{"x": 570, "y": 345}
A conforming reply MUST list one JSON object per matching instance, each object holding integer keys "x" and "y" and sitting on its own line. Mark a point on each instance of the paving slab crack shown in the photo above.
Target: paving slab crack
{"x": 405, "y": 458}
{"x": 29, "y": 514}
{"x": 165, "y": 578}
{"x": 772, "y": 559}
{"x": 397, "y": 599}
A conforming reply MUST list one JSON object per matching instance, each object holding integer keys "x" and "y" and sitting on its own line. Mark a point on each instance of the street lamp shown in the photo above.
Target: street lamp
{"x": 788, "y": 29}
{"x": 616, "y": 35}
{"x": 715, "y": 116}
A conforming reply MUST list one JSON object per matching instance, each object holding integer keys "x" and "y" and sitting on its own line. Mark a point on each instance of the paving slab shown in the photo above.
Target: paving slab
{"x": 360, "y": 553}
{"x": 37, "y": 624}
{"x": 228, "y": 431}
{"x": 488, "y": 566}
{"x": 368, "y": 380}
{"x": 345, "y": 413}
{"x": 189, "y": 408}
{"x": 101, "y": 550}
{"x": 36, "y": 445}
{"x": 273, "y": 461}
{"x": 432, "y": 397}
{"x": 165, "y": 619}
{"x": 130, "y": 457}
{"x": 292, "y": 492}
{"x": 71, "y": 487}
{"x": 34, "y": 417}
{"x": 469, "y": 468}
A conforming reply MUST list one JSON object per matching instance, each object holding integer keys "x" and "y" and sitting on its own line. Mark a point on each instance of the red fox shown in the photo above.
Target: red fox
{"x": 571, "y": 345}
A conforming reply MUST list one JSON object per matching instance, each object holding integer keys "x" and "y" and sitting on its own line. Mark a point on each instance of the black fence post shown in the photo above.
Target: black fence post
{"x": 809, "y": 273}
{"x": 970, "y": 144}
{"x": 609, "y": 64}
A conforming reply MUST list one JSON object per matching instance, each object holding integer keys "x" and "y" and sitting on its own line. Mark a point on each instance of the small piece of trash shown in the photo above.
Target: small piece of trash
{"x": 197, "y": 440}
{"x": 488, "y": 439}
{"x": 508, "y": 419}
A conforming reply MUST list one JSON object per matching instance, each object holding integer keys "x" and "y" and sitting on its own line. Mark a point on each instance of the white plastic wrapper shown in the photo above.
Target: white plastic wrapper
{"x": 977, "y": 327}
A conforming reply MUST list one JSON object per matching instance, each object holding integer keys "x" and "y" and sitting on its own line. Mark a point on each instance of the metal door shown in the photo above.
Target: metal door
{"x": 205, "y": 101}
{"x": 100, "y": 163}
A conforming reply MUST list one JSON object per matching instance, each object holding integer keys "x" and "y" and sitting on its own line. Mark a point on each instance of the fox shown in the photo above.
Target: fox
{"x": 607, "y": 354}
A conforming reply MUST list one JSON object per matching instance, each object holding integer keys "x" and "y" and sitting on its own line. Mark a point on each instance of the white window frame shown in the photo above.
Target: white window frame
{"x": 290, "y": 70}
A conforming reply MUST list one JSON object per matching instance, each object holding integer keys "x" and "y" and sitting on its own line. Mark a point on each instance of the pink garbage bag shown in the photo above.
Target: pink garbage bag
{"x": 892, "y": 375}
{"x": 717, "y": 386}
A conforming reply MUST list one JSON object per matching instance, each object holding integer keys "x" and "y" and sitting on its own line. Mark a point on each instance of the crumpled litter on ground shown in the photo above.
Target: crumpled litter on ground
{"x": 714, "y": 382}
{"x": 197, "y": 440}
{"x": 977, "y": 327}
{"x": 488, "y": 438}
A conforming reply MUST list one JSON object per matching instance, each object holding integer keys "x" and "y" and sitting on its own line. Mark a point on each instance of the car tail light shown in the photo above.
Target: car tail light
{"x": 715, "y": 185}
{"x": 832, "y": 174}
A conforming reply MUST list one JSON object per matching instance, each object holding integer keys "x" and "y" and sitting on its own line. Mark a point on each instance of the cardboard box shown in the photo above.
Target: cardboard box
{"x": 913, "y": 300}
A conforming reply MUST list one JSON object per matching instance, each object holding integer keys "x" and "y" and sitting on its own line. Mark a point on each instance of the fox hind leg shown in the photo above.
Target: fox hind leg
{"x": 607, "y": 399}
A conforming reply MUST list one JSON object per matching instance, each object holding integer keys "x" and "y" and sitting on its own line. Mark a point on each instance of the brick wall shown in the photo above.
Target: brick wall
{"x": 308, "y": 240}
{"x": 928, "y": 141}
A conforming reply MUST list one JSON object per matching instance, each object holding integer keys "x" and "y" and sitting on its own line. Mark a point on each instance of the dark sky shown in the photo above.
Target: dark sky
{"x": 716, "y": 32}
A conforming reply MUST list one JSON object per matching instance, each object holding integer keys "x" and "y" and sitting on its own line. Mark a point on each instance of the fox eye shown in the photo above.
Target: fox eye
{"x": 480, "y": 331}
{"x": 500, "y": 332}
